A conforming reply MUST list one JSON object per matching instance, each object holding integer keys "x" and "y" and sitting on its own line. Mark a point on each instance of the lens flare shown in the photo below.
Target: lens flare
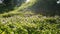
{"x": 58, "y": 2}
{"x": 27, "y": 1}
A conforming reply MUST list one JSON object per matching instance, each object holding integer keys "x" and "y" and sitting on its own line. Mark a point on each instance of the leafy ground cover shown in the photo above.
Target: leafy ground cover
{"x": 29, "y": 23}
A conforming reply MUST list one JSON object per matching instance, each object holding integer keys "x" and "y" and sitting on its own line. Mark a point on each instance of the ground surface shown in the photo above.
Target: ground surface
{"x": 27, "y": 22}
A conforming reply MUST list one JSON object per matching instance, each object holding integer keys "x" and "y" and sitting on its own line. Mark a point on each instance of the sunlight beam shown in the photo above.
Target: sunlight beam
{"x": 27, "y": 1}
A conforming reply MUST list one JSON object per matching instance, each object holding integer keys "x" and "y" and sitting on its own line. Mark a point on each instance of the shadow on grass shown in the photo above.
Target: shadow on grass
{"x": 6, "y": 8}
{"x": 48, "y": 10}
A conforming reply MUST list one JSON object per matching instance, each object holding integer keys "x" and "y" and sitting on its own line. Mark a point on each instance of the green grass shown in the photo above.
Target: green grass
{"x": 27, "y": 22}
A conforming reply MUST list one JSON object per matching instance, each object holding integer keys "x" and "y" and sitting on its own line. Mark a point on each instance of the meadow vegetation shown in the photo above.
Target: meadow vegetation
{"x": 23, "y": 20}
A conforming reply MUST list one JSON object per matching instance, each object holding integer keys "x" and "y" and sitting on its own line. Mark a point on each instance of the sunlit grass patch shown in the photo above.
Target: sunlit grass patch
{"x": 20, "y": 21}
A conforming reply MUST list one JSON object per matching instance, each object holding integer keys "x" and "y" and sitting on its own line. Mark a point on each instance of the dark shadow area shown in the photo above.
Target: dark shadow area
{"x": 6, "y": 8}
{"x": 46, "y": 7}
{"x": 9, "y": 5}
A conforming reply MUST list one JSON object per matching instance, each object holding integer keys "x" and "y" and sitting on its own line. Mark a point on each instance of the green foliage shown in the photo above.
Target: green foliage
{"x": 10, "y": 5}
{"x": 30, "y": 24}
{"x": 27, "y": 22}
